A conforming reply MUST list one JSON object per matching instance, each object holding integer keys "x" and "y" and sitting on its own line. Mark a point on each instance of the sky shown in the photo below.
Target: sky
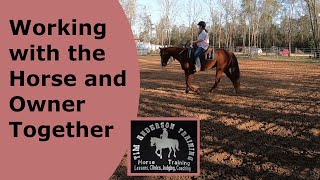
{"x": 154, "y": 10}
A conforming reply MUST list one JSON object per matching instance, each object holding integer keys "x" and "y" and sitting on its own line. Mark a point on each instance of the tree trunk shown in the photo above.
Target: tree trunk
{"x": 219, "y": 32}
{"x": 313, "y": 21}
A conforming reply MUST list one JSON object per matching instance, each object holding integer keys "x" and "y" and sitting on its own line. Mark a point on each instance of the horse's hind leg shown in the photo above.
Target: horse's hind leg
{"x": 231, "y": 77}
{"x": 160, "y": 153}
{"x": 218, "y": 78}
{"x": 187, "y": 84}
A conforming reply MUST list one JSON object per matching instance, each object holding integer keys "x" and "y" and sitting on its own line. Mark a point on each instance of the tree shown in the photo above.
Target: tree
{"x": 145, "y": 24}
{"x": 193, "y": 11}
{"x": 268, "y": 11}
{"x": 129, "y": 7}
{"x": 231, "y": 13}
{"x": 261, "y": 23}
{"x": 160, "y": 29}
{"x": 169, "y": 13}
{"x": 313, "y": 15}
{"x": 248, "y": 10}
{"x": 213, "y": 17}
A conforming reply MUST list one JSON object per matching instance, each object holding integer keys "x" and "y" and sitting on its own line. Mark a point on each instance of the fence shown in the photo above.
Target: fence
{"x": 275, "y": 52}
{"x": 147, "y": 48}
{"x": 247, "y": 52}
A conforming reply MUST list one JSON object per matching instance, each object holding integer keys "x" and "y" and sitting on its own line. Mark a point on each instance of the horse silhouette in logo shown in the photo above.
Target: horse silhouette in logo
{"x": 164, "y": 142}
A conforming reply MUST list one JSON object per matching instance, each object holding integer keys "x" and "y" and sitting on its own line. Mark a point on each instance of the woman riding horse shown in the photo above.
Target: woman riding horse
{"x": 224, "y": 61}
{"x": 202, "y": 44}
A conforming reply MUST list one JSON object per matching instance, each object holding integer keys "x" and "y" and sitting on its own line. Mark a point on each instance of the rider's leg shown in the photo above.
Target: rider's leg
{"x": 196, "y": 55}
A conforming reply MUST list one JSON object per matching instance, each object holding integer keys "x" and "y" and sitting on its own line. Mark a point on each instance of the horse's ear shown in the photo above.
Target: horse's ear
{"x": 160, "y": 48}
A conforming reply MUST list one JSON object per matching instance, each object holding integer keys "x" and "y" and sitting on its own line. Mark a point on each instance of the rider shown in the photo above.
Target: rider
{"x": 202, "y": 43}
{"x": 164, "y": 135}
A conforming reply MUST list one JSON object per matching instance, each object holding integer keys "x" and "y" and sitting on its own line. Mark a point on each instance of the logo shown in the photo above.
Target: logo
{"x": 164, "y": 147}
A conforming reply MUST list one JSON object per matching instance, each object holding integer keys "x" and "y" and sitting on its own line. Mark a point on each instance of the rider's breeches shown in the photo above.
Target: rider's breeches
{"x": 198, "y": 51}
{"x": 196, "y": 56}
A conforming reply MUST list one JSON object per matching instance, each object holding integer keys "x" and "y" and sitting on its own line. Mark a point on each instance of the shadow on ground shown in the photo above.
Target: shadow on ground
{"x": 270, "y": 130}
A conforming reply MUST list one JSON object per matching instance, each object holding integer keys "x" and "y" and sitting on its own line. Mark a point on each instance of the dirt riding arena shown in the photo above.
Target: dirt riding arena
{"x": 271, "y": 130}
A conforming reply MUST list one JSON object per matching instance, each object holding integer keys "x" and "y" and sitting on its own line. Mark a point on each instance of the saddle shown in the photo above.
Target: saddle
{"x": 206, "y": 55}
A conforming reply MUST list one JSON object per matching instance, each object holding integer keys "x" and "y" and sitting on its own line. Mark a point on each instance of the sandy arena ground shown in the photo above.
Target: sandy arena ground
{"x": 271, "y": 130}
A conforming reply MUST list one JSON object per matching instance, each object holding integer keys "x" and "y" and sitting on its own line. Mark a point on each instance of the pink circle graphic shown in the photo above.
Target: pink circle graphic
{"x": 109, "y": 105}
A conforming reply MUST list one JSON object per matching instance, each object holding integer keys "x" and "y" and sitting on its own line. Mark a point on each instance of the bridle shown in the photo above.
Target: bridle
{"x": 171, "y": 59}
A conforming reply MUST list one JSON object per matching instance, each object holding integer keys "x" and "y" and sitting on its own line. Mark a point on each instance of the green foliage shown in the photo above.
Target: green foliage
{"x": 262, "y": 23}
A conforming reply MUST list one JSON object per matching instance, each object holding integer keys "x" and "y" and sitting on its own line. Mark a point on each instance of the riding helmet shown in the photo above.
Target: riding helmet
{"x": 202, "y": 24}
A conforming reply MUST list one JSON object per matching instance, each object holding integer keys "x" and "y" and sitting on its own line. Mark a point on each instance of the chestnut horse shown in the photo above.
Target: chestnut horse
{"x": 224, "y": 61}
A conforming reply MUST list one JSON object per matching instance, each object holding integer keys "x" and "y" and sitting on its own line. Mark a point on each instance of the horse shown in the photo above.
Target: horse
{"x": 160, "y": 144}
{"x": 224, "y": 61}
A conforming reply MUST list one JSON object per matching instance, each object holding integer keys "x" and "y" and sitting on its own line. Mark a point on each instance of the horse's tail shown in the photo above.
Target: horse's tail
{"x": 177, "y": 145}
{"x": 235, "y": 72}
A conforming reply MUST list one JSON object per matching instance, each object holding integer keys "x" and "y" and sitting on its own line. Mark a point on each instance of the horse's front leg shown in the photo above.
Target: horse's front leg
{"x": 189, "y": 78}
{"x": 169, "y": 152}
{"x": 157, "y": 152}
{"x": 187, "y": 85}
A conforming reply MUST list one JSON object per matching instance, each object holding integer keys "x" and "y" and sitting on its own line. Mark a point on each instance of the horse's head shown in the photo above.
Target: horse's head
{"x": 165, "y": 55}
{"x": 152, "y": 141}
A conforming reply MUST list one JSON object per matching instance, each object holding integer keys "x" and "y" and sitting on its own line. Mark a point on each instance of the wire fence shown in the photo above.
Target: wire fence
{"x": 248, "y": 52}
{"x": 277, "y": 52}
{"x": 144, "y": 49}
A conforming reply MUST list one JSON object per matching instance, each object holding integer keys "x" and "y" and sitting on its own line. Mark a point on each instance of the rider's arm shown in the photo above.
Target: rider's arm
{"x": 202, "y": 37}
{"x": 197, "y": 41}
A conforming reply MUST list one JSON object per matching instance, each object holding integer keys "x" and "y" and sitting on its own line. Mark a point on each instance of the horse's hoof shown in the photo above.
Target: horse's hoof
{"x": 187, "y": 91}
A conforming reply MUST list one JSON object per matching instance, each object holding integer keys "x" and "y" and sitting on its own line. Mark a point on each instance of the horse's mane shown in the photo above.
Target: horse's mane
{"x": 173, "y": 47}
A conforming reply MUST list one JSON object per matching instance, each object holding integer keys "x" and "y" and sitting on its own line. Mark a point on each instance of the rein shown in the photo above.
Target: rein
{"x": 172, "y": 58}
{"x": 182, "y": 51}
